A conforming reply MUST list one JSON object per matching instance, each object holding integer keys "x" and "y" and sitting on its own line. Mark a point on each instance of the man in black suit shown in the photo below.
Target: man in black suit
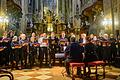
{"x": 73, "y": 53}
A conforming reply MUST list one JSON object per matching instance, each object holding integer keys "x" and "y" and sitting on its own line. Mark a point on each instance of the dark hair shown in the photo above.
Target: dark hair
{"x": 72, "y": 39}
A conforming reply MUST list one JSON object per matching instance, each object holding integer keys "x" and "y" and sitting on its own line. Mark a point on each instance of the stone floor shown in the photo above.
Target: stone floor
{"x": 56, "y": 73}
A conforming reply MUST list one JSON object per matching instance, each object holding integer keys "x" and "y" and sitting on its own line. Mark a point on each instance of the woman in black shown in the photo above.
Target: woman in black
{"x": 53, "y": 45}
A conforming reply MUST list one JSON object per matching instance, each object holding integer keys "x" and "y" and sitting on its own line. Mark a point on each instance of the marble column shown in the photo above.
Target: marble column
{"x": 67, "y": 10}
{"x": 36, "y": 6}
{"x": 57, "y": 9}
{"x": 63, "y": 7}
{"x": 60, "y": 6}
{"x": 73, "y": 10}
{"x": 70, "y": 6}
{"x": 23, "y": 19}
{"x": 42, "y": 8}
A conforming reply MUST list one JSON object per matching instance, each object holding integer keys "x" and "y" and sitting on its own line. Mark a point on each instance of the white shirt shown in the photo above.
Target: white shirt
{"x": 42, "y": 44}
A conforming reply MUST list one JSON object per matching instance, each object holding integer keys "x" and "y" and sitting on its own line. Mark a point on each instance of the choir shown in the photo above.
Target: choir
{"x": 24, "y": 50}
